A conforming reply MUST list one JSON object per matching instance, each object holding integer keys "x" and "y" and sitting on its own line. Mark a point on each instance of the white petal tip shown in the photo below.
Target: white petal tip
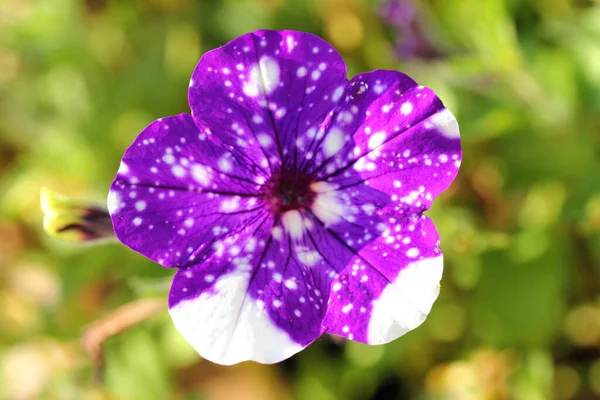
{"x": 445, "y": 122}
{"x": 405, "y": 303}
{"x": 228, "y": 327}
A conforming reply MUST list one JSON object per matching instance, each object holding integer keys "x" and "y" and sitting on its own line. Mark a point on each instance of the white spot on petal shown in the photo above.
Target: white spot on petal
{"x": 412, "y": 253}
{"x": 123, "y": 168}
{"x": 277, "y": 233}
{"x": 178, "y": 171}
{"x": 292, "y": 223}
{"x": 264, "y": 140}
{"x": 327, "y": 208}
{"x": 225, "y": 165}
{"x": 140, "y": 205}
{"x": 376, "y": 140}
{"x": 231, "y": 204}
{"x": 280, "y": 113}
{"x": 263, "y": 78}
{"x": 307, "y": 256}
{"x": 337, "y": 94}
{"x": 201, "y": 174}
{"x": 113, "y": 202}
{"x": 334, "y": 141}
{"x": 291, "y": 284}
{"x": 406, "y": 108}
{"x": 169, "y": 158}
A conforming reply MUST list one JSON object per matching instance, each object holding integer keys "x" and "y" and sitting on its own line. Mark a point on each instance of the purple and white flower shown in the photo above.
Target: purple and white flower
{"x": 290, "y": 200}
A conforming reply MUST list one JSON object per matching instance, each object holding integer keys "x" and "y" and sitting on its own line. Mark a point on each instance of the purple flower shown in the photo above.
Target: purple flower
{"x": 411, "y": 38}
{"x": 291, "y": 200}
{"x": 399, "y": 13}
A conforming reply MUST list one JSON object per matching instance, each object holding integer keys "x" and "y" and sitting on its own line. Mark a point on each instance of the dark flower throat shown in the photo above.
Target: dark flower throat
{"x": 286, "y": 191}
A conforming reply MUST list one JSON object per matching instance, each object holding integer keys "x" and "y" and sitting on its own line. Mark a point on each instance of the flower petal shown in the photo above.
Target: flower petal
{"x": 404, "y": 142}
{"x": 264, "y": 90}
{"x": 250, "y": 301}
{"x": 390, "y": 285}
{"x": 176, "y": 193}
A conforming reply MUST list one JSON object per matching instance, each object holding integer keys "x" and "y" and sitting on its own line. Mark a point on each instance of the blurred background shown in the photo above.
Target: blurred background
{"x": 519, "y": 312}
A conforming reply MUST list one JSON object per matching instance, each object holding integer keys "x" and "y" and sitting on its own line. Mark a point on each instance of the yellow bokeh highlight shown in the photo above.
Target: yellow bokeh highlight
{"x": 345, "y": 31}
{"x": 484, "y": 376}
{"x": 567, "y": 382}
{"x": 582, "y": 325}
{"x": 594, "y": 377}
{"x": 182, "y": 49}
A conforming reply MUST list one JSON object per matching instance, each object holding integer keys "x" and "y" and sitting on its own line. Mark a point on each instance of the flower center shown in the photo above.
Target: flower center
{"x": 286, "y": 191}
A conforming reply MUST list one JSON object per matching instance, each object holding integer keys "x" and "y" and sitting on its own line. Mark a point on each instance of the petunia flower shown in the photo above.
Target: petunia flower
{"x": 74, "y": 221}
{"x": 411, "y": 39}
{"x": 290, "y": 200}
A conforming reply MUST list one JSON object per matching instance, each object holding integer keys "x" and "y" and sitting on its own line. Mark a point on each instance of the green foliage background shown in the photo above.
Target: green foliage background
{"x": 519, "y": 311}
